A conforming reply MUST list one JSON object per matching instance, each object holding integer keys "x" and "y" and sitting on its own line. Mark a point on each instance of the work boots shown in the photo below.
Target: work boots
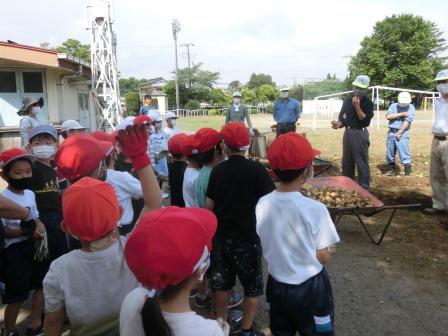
{"x": 391, "y": 170}
{"x": 407, "y": 170}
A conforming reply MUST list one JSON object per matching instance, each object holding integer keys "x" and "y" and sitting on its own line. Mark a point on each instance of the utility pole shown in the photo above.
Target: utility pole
{"x": 176, "y": 28}
{"x": 188, "y": 45}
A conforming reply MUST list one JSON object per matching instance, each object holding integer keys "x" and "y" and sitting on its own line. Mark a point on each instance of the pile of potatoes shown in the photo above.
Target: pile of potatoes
{"x": 336, "y": 198}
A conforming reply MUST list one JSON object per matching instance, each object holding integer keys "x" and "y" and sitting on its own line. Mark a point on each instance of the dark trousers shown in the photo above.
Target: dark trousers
{"x": 307, "y": 308}
{"x": 283, "y": 128}
{"x": 57, "y": 242}
{"x": 355, "y": 153}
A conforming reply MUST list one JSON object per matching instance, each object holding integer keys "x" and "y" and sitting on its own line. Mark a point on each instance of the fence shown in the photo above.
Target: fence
{"x": 184, "y": 113}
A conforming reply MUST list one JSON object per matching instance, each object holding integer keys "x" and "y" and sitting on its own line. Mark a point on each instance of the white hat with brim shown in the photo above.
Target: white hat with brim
{"x": 362, "y": 82}
{"x": 71, "y": 125}
{"x": 236, "y": 94}
{"x": 404, "y": 98}
{"x": 27, "y": 102}
{"x": 441, "y": 75}
{"x": 284, "y": 89}
{"x": 170, "y": 115}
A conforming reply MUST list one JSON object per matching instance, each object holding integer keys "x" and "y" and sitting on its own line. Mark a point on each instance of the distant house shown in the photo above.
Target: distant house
{"x": 157, "y": 83}
{"x": 62, "y": 80}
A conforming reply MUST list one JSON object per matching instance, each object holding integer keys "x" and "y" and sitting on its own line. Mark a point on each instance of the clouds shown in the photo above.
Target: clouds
{"x": 287, "y": 39}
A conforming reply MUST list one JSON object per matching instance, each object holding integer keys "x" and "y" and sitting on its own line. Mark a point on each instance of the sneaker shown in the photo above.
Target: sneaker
{"x": 35, "y": 332}
{"x": 203, "y": 303}
{"x": 235, "y": 300}
{"x": 407, "y": 170}
{"x": 235, "y": 315}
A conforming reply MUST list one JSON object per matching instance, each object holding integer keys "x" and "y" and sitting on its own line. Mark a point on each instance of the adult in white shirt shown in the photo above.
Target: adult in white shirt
{"x": 170, "y": 129}
{"x": 438, "y": 173}
{"x": 29, "y": 111}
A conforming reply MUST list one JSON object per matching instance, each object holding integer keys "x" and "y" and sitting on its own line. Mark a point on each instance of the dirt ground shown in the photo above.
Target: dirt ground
{"x": 401, "y": 286}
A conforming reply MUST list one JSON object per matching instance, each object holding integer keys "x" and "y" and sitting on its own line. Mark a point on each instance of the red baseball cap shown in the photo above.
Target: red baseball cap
{"x": 142, "y": 119}
{"x": 291, "y": 151}
{"x": 169, "y": 245}
{"x": 205, "y": 139}
{"x": 103, "y": 136}
{"x": 13, "y": 154}
{"x": 188, "y": 145}
{"x": 79, "y": 155}
{"x": 236, "y": 134}
{"x": 90, "y": 209}
{"x": 175, "y": 143}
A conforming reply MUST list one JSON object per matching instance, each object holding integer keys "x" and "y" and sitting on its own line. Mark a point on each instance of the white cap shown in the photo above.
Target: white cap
{"x": 284, "y": 89}
{"x": 404, "y": 98}
{"x": 362, "y": 81}
{"x": 125, "y": 123}
{"x": 155, "y": 115}
{"x": 170, "y": 115}
{"x": 441, "y": 75}
{"x": 237, "y": 94}
{"x": 71, "y": 125}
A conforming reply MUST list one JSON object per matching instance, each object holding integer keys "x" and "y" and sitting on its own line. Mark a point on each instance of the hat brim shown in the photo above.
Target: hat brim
{"x": 106, "y": 147}
{"x": 360, "y": 85}
{"x": 405, "y": 101}
{"x": 40, "y": 101}
{"x": 440, "y": 79}
{"x": 29, "y": 157}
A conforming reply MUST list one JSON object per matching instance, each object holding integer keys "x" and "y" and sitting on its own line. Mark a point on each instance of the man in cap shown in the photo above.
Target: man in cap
{"x": 355, "y": 116}
{"x": 71, "y": 127}
{"x": 286, "y": 112}
{"x": 438, "y": 173}
{"x": 29, "y": 111}
{"x": 238, "y": 111}
{"x": 400, "y": 116}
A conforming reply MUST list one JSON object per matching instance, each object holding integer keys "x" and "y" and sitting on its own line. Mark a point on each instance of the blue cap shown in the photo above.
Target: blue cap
{"x": 44, "y": 129}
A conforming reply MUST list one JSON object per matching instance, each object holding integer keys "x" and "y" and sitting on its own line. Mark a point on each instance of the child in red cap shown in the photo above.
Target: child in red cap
{"x": 234, "y": 189}
{"x": 22, "y": 270}
{"x": 295, "y": 233}
{"x": 168, "y": 252}
{"x": 177, "y": 169}
{"x": 191, "y": 172}
{"x": 90, "y": 284}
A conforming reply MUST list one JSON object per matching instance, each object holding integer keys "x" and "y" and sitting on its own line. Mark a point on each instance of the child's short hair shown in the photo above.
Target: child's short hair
{"x": 206, "y": 157}
{"x": 177, "y": 156}
{"x": 194, "y": 158}
{"x": 7, "y": 168}
{"x": 286, "y": 176}
{"x": 42, "y": 136}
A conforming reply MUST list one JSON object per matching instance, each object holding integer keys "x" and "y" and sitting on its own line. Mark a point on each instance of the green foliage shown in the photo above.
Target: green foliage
{"x": 75, "y": 48}
{"x": 403, "y": 51}
{"x": 131, "y": 84}
{"x": 234, "y": 86}
{"x": 193, "y": 105}
{"x": 257, "y": 80}
{"x": 267, "y": 92}
{"x": 249, "y": 96}
{"x": 270, "y": 108}
{"x": 213, "y": 112}
{"x": 326, "y": 86}
{"x": 296, "y": 92}
{"x": 170, "y": 90}
{"x": 219, "y": 97}
{"x": 132, "y": 100}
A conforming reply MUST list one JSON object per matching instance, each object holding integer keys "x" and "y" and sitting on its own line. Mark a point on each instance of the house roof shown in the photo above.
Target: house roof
{"x": 13, "y": 54}
{"x": 157, "y": 80}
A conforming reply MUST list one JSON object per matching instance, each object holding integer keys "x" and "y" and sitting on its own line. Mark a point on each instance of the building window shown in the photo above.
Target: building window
{"x": 32, "y": 82}
{"x": 8, "y": 81}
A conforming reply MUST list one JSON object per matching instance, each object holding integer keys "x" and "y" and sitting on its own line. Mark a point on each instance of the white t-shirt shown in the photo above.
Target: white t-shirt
{"x": 90, "y": 285}
{"x": 182, "y": 324}
{"x": 126, "y": 187}
{"x": 291, "y": 228}
{"x": 440, "y": 126}
{"x": 28, "y": 199}
{"x": 170, "y": 132}
{"x": 26, "y": 124}
{"x": 189, "y": 187}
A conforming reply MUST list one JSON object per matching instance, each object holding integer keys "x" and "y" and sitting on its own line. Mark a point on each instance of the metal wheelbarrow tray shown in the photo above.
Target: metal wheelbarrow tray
{"x": 377, "y": 206}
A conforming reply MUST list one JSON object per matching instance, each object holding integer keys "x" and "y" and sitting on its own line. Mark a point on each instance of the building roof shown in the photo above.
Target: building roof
{"x": 13, "y": 54}
{"x": 157, "y": 80}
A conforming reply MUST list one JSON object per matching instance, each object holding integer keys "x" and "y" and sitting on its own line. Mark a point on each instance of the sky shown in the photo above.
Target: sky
{"x": 293, "y": 41}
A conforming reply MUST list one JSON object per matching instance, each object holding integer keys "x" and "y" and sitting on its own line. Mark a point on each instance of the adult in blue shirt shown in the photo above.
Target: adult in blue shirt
{"x": 400, "y": 116}
{"x": 286, "y": 112}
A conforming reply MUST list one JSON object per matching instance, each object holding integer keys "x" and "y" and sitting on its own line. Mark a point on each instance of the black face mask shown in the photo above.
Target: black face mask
{"x": 20, "y": 184}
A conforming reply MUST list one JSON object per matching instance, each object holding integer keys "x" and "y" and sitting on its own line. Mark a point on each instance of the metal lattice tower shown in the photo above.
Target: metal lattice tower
{"x": 105, "y": 89}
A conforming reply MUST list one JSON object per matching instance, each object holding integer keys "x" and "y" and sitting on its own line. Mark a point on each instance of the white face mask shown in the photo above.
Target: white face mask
{"x": 44, "y": 151}
{"x": 285, "y": 95}
{"x": 152, "y": 129}
{"x": 442, "y": 88}
{"x": 172, "y": 122}
{"x": 236, "y": 100}
{"x": 35, "y": 110}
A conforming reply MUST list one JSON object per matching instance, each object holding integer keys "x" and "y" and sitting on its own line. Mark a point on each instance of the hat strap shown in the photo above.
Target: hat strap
{"x": 203, "y": 260}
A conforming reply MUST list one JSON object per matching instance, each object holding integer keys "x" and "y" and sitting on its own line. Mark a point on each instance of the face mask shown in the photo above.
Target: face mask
{"x": 20, "y": 184}
{"x": 35, "y": 110}
{"x": 403, "y": 105}
{"x": 285, "y": 95}
{"x": 172, "y": 122}
{"x": 152, "y": 129}
{"x": 236, "y": 100}
{"x": 158, "y": 126}
{"x": 44, "y": 151}
{"x": 442, "y": 88}
{"x": 359, "y": 92}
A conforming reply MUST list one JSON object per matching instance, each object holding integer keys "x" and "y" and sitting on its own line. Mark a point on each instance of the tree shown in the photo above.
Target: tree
{"x": 326, "y": 86}
{"x": 267, "y": 93}
{"x": 219, "y": 97}
{"x": 170, "y": 90}
{"x": 234, "y": 86}
{"x": 257, "y": 80}
{"x": 248, "y": 96}
{"x": 131, "y": 84}
{"x": 132, "y": 100}
{"x": 75, "y": 48}
{"x": 296, "y": 92}
{"x": 403, "y": 51}
{"x": 45, "y": 45}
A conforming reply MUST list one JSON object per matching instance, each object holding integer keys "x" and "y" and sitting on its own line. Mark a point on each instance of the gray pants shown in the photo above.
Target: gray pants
{"x": 355, "y": 152}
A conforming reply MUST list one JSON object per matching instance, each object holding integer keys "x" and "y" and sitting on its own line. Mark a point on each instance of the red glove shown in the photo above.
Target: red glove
{"x": 134, "y": 144}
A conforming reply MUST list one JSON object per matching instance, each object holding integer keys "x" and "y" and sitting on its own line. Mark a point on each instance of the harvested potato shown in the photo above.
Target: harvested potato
{"x": 336, "y": 197}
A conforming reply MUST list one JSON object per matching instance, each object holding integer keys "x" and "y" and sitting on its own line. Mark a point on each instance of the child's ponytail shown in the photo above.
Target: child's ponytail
{"x": 153, "y": 321}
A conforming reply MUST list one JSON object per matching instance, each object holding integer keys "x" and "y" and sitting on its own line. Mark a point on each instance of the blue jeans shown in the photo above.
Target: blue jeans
{"x": 402, "y": 146}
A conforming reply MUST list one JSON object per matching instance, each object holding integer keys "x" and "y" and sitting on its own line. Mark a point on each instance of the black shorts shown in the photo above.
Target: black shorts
{"x": 57, "y": 240}
{"x": 20, "y": 273}
{"x": 231, "y": 257}
{"x": 307, "y": 308}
